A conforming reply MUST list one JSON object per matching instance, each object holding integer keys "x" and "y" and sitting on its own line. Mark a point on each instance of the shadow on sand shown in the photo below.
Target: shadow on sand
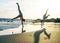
{"x": 37, "y": 36}
{"x": 38, "y": 33}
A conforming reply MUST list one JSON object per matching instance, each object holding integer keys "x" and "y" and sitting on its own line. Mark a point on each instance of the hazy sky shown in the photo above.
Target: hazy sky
{"x": 31, "y": 9}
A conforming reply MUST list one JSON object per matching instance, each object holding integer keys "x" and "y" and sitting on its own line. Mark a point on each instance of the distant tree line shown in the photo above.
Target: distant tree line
{"x": 57, "y": 20}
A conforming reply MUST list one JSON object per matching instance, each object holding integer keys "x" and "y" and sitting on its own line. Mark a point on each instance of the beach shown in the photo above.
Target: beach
{"x": 28, "y": 37}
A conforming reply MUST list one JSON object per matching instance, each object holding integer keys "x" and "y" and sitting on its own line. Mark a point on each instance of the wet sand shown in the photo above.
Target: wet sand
{"x": 29, "y": 38}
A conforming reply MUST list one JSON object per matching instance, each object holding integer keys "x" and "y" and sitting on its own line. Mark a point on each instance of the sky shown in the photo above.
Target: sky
{"x": 31, "y": 9}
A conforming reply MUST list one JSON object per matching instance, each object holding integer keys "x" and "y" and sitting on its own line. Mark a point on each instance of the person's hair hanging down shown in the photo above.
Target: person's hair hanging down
{"x": 20, "y": 14}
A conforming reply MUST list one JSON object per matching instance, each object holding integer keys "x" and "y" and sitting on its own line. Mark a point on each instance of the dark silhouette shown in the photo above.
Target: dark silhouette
{"x": 20, "y": 14}
{"x": 38, "y": 33}
{"x": 45, "y": 16}
{"x": 21, "y": 17}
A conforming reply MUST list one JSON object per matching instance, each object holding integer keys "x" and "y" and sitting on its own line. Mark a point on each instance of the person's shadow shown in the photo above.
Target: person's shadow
{"x": 37, "y": 36}
{"x": 38, "y": 33}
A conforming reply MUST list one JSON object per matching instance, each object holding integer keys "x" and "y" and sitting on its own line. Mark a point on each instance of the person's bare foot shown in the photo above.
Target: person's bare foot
{"x": 24, "y": 31}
